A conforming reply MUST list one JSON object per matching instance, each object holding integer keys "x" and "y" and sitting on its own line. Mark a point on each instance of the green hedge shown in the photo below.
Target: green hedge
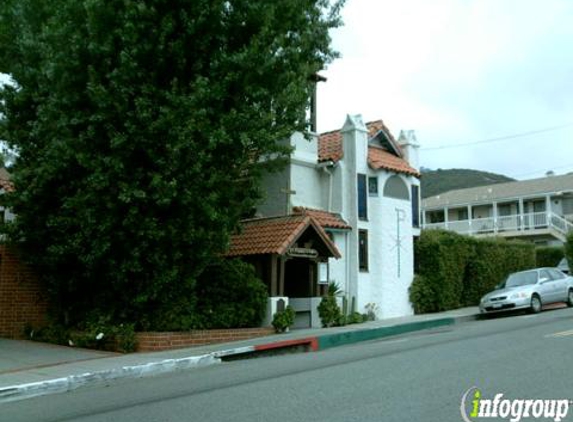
{"x": 229, "y": 295}
{"x": 492, "y": 261}
{"x": 456, "y": 270}
{"x": 439, "y": 284}
{"x": 549, "y": 256}
{"x": 569, "y": 249}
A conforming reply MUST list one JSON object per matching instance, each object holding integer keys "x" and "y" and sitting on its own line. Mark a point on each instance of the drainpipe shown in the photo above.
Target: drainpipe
{"x": 347, "y": 263}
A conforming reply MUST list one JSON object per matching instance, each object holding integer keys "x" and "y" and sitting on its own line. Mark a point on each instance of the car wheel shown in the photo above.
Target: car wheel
{"x": 570, "y": 298}
{"x": 535, "y": 304}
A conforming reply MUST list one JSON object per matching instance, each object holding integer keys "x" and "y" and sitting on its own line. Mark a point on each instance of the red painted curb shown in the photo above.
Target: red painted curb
{"x": 310, "y": 341}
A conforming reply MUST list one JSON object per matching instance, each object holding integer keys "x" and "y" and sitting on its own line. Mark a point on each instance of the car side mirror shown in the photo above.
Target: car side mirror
{"x": 543, "y": 280}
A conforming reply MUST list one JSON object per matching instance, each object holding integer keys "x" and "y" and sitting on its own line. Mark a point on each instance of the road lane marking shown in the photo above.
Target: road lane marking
{"x": 560, "y": 334}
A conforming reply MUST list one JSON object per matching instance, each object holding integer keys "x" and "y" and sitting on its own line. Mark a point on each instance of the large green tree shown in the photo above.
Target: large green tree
{"x": 142, "y": 128}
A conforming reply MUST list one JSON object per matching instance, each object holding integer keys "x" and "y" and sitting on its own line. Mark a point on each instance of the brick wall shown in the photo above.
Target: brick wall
{"x": 21, "y": 298}
{"x": 156, "y": 341}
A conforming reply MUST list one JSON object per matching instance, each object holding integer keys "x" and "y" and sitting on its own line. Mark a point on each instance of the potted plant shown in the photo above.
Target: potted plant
{"x": 282, "y": 320}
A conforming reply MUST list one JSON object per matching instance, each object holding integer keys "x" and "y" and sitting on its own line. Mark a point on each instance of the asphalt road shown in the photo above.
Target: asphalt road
{"x": 416, "y": 377}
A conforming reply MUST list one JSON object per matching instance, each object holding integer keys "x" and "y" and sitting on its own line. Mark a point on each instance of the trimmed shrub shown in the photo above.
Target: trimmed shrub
{"x": 229, "y": 295}
{"x": 549, "y": 256}
{"x": 456, "y": 270}
{"x": 328, "y": 310}
{"x": 422, "y": 296}
{"x": 282, "y": 320}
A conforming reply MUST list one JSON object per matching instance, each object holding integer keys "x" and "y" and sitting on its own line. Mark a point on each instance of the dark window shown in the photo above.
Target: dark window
{"x": 463, "y": 214}
{"x": 363, "y": 250}
{"x": 539, "y": 206}
{"x": 396, "y": 188}
{"x": 362, "y": 204}
{"x": 504, "y": 210}
{"x": 373, "y": 186}
{"x": 415, "y": 206}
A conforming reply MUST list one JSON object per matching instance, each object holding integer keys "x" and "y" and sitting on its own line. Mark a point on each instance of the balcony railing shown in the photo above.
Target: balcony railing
{"x": 517, "y": 222}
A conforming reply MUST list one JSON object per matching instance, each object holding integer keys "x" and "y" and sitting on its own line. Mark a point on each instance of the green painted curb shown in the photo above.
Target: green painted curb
{"x": 340, "y": 339}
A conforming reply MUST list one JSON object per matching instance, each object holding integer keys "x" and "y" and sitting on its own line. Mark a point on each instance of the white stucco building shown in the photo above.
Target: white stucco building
{"x": 361, "y": 186}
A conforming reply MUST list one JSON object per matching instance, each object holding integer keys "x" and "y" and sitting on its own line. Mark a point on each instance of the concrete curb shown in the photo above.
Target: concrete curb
{"x": 340, "y": 339}
{"x": 72, "y": 382}
{"x": 315, "y": 343}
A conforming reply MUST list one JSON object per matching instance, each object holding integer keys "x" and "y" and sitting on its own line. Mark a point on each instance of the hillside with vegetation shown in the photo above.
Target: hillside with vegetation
{"x": 439, "y": 181}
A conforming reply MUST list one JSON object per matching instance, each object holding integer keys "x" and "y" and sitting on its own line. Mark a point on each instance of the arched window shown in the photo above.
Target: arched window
{"x": 396, "y": 188}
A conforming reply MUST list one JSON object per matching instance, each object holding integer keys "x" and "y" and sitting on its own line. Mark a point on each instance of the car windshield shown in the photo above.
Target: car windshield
{"x": 521, "y": 279}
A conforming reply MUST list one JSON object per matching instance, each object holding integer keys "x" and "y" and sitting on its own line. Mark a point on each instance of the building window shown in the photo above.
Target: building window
{"x": 463, "y": 214}
{"x": 363, "y": 250}
{"x": 396, "y": 188}
{"x": 567, "y": 205}
{"x": 415, "y": 206}
{"x": 362, "y": 204}
{"x": 504, "y": 210}
{"x": 373, "y": 186}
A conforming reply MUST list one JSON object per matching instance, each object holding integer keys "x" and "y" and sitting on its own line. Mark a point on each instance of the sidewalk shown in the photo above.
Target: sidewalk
{"x": 29, "y": 369}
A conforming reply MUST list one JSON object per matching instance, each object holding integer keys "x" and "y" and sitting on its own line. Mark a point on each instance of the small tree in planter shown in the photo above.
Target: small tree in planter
{"x": 282, "y": 320}
{"x": 328, "y": 309}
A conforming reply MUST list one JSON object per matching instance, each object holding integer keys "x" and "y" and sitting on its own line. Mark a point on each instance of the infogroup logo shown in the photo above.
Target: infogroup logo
{"x": 474, "y": 407}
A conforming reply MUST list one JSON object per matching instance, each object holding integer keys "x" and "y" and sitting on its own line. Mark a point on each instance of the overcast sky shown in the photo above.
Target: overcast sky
{"x": 460, "y": 71}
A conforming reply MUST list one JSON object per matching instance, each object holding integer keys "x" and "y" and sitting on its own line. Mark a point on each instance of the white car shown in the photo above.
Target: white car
{"x": 529, "y": 290}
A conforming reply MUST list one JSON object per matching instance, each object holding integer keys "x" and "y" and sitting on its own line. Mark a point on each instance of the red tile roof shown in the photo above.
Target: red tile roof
{"x": 379, "y": 158}
{"x": 330, "y": 149}
{"x": 324, "y": 218}
{"x": 275, "y": 235}
{"x": 330, "y": 146}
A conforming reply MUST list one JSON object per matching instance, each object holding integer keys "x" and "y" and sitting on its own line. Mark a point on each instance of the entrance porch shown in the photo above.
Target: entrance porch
{"x": 290, "y": 254}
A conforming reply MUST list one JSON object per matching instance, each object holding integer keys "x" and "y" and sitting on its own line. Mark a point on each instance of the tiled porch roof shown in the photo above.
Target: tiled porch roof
{"x": 330, "y": 149}
{"x": 275, "y": 235}
{"x": 326, "y": 219}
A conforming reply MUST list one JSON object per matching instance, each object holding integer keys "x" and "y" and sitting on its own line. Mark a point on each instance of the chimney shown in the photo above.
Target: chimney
{"x": 410, "y": 146}
{"x": 316, "y": 78}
